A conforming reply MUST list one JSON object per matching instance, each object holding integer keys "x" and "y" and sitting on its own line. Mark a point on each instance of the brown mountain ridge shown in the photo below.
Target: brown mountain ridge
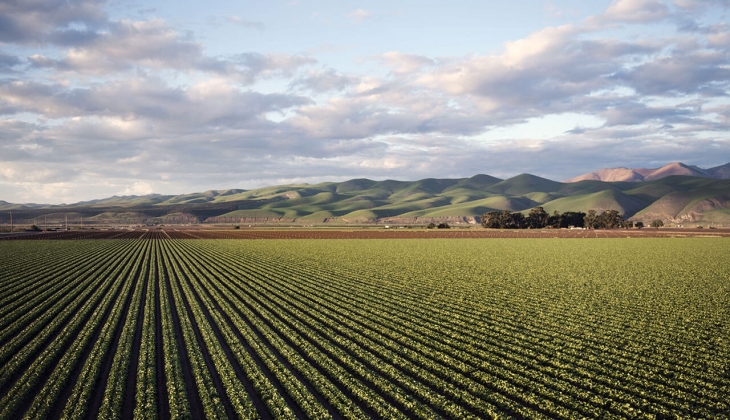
{"x": 644, "y": 174}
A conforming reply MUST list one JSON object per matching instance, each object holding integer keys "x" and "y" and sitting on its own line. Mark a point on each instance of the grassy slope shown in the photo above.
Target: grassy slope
{"x": 676, "y": 195}
{"x": 602, "y": 200}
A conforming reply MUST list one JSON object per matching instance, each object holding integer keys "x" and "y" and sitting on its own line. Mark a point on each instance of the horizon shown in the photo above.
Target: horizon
{"x": 101, "y": 99}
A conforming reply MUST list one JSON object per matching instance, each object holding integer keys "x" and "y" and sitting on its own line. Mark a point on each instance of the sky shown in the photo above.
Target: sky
{"x": 101, "y": 98}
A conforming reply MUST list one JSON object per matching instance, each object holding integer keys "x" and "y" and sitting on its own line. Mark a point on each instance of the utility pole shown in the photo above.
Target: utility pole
{"x": 45, "y": 222}
{"x": 66, "y": 221}
{"x": 11, "y": 221}
{"x": 82, "y": 222}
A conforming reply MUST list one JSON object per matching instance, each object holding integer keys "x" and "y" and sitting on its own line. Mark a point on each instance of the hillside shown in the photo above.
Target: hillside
{"x": 674, "y": 199}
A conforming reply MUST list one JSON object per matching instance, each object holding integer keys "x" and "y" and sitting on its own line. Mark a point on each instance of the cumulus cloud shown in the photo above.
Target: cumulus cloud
{"x": 32, "y": 22}
{"x": 541, "y": 56}
{"x": 154, "y": 44}
{"x": 250, "y": 66}
{"x": 636, "y": 11}
{"x": 210, "y": 102}
{"x": 405, "y": 63}
{"x": 319, "y": 81}
{"x": 692, "y": 72}
{"x": 127, "y": 44}
{"x": 547, "y": 72}
{"x": 138, "y": 188}
{"x": 638, "y": 113}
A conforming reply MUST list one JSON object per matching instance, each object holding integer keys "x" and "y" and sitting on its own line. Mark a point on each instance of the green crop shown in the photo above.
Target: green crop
{"x": 430, "y": 328}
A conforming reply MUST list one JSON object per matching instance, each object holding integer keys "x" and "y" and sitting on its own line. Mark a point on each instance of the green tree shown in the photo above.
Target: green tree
{"x": 555, "y": 220}
{"x": 657, "y": 223}
{"x": 639, "y": 225}
{"x": 537, "y": 219}
{"x": 609, "y": 219}
{"x": 572, "y": 218}
{"x": 512, "y": 220}
{"x": 443, "y": 226}
{"x": 590, "y": 220}
{"x": 491, "y": 220}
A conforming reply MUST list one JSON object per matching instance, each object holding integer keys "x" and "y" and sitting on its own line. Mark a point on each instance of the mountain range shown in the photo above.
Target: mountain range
{"x": 643, "y": 174}
{"x": 684, "y": 198}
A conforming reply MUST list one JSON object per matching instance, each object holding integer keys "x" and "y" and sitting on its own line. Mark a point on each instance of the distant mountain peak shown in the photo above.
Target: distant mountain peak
{"x": 643, "y": 174}
{"x": 720, "y": 172}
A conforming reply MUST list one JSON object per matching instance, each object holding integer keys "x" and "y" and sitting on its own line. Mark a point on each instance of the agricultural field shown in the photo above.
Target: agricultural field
{"x": 150, "y": 326}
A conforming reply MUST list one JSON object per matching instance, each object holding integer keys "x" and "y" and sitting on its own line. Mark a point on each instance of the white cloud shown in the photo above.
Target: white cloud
{"x": 359, "y": 15}
{"x": 251, "y": 66}
{"x": 138, "y": 188}
{"x": 636, "y": 11}
{"x": 318, "y": 80}
{"x": 128, "y": 44}
{"x": 155, "y": 45}
{"x": 405, "y": 63}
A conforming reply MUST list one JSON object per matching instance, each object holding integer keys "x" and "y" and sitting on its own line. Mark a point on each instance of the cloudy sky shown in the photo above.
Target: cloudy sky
{"x": 102, "y": 98}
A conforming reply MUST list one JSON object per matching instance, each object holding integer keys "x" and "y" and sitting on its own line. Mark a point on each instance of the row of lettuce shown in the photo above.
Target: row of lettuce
{"x": 318, "y": 329}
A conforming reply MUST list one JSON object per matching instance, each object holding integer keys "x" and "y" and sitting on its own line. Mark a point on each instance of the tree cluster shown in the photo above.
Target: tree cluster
{"x": 538, "y": 218}
{"x": 609, "y": 219}
{"x": 439, "y": 226}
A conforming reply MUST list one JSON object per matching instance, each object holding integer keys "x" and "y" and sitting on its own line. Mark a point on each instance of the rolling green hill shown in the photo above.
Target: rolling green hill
{"x": 674, "y": 199}
{"x": 608, "y": 199}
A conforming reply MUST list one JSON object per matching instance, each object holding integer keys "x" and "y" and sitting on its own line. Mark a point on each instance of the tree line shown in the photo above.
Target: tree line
{"x": 538, "y": 218}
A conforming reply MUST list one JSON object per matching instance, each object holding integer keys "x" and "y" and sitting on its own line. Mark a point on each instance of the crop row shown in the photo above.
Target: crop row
{"x": 422, "y": 338}
{"x": 161, "y": 328}
{"x": 58, "y": 347}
